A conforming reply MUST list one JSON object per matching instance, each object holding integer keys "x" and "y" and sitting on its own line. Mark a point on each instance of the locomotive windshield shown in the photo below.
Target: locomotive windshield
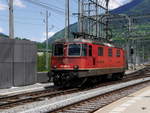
{"x": 74, "y": 49}
{"x": 77, "y": 50}
{"x": 58, "y": 50}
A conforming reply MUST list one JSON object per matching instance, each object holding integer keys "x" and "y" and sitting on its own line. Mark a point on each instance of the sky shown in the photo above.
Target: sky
{"x": 29, "y": 19}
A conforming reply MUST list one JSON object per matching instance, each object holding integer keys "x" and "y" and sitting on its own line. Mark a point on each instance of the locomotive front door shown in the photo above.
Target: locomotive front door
{"x": 92, "y": 59}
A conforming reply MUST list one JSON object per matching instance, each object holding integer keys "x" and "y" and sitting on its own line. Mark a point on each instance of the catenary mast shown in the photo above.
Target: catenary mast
{"x": 90, "y": 22}
{"x": 11, "y": 19}
{"x": 67, "y": 19}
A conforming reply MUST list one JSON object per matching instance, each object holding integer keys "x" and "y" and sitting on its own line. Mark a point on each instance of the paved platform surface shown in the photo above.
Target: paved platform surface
{"x": 24, "y": 89}
{"x": 137, "y": 68}
{"x": 138, "y": 102}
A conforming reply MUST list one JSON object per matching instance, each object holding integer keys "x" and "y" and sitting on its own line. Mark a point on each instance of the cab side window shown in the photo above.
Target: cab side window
{"x": 110, "y": 52}
{"x": 84, "y": 50}
{"x": 118, "y": 53}
{"x": 90, "y": 50}
{"x": 100, "y": 51}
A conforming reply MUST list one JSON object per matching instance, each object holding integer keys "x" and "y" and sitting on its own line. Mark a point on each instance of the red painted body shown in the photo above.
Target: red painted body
{"x": 66, "y": 62}
{"x": 74, "y": 62}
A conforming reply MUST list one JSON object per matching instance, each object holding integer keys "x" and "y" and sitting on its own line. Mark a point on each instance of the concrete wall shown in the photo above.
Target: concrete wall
{"x": 17, "y": 63}
{"x": 42, "y": 77}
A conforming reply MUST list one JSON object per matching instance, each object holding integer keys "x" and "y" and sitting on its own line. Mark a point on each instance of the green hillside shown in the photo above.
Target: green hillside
{"x": 142, "y": 8}
{"x": 60, "y": 34}
{"x": 3, "y": 35}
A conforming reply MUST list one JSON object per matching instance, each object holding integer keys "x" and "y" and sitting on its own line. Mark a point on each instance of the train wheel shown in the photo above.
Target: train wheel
{"x": 121, "y": 75}
{"x": 76, "y": 82}
{"x": 117, "y": 76}
{"x": 82, "y": 82}
{"x": 56, "y": 83}
{"x": 104, "y": 78}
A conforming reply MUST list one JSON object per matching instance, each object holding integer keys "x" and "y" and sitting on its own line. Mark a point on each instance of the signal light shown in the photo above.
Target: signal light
{"x": 76, "y": 67}
{"x": 55, "y": 67}
{"x": 131, "y": 51}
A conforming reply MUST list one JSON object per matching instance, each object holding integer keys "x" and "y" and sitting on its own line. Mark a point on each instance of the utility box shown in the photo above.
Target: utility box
{"x": 17, "y": 63}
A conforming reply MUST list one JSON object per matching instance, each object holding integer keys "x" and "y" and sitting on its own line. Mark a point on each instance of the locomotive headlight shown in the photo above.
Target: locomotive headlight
{"x": 76, "y": 67}
{"x": 55, "y": 67}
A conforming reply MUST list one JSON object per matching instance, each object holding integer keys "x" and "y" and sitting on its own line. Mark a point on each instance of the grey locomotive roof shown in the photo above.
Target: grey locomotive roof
{"x": 85, "y": 41}
{"x": 72, "y": 40}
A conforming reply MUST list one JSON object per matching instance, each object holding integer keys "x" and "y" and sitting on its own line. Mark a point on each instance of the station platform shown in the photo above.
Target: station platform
{"x": 24, "y": 89}
{"x": 138, "y": 102}
{"x": 137, "y": 68}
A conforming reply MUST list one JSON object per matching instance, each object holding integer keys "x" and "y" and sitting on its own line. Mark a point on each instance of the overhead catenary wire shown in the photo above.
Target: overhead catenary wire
{"x": 58, "y": 10}
{"x": 22, "y": 17}
{"x": 40, "y": 19}
{"x": 20, "y": 22}
{"x": 47, "y": 6}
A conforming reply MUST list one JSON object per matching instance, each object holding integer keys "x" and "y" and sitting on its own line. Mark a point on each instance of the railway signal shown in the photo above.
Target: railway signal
{"x": 132, "y": 51}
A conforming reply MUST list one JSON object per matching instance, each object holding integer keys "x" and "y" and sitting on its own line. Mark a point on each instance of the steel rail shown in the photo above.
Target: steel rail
{"x": 59, "y": 105}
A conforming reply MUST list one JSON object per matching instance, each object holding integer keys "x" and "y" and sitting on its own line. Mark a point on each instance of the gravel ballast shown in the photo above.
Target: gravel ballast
{"x": 60, "y": 101}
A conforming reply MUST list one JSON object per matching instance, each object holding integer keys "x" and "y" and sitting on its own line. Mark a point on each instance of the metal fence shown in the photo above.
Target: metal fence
{"x": 17, "y": 63}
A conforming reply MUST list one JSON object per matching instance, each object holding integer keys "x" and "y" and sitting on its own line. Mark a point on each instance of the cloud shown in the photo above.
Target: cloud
{"x": 117, "y": 3}
{"x": 1, "y": 30}
{"x": 19, "y": 3}
{"x": 3, "y": 7}
{"x": 50, "y": 34}
{"x": 114, "y": 4}
{"x": 43, "y": 38}
{"x": 37, "y": 39}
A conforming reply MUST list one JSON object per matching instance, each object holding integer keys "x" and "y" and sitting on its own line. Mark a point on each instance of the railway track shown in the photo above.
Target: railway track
{"x": 92, "y": 104}
{"x": 16, "y": 100}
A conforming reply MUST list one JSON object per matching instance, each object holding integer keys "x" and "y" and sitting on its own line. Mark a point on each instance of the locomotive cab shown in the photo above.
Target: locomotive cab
{"x": 68, "y": 58}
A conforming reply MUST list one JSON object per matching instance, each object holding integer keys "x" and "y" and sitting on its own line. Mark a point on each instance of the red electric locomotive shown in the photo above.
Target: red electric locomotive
{"x": 76, "y": 61}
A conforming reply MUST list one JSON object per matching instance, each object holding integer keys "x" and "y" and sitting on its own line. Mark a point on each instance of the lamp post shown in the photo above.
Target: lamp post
{"x": 47, "y": 14}
{"x": 67, "y": 19}
{"x": 47, "y": 47}
{"x": 11, "y": 19}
